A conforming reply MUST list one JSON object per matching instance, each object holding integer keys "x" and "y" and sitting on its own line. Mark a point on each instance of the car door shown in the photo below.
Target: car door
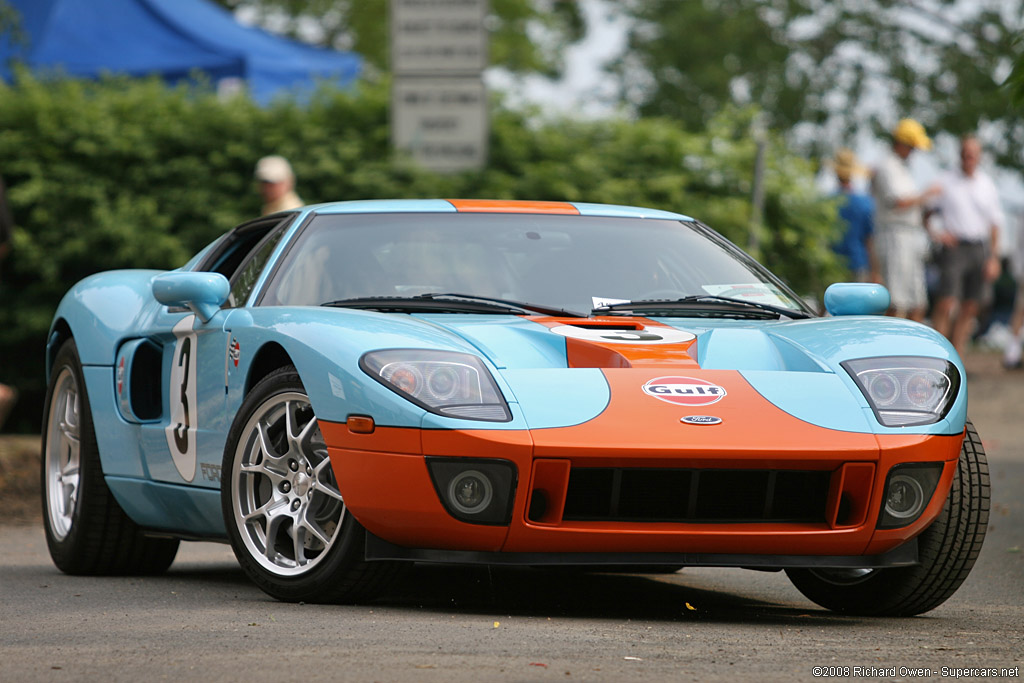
{"x": 185, "y": 445}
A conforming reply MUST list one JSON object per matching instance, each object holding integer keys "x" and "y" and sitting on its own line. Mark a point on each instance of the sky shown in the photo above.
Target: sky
{"x": 585, "y": 89}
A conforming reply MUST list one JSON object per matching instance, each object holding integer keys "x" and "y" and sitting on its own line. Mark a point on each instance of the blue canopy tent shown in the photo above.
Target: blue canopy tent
{"x": 171, "y": 38}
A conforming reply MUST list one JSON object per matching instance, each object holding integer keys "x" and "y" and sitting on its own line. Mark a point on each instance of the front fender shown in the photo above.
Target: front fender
{"x": 325, "y": 346}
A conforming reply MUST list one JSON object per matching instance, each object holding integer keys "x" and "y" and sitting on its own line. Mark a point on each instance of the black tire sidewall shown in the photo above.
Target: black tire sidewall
{"x": 66, "y": 552}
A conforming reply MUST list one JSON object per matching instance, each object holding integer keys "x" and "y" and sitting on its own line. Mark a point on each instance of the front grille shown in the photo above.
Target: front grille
{"x": 696, "y": 495}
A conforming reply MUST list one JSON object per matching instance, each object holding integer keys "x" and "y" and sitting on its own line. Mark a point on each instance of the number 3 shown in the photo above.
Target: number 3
{"x": 181, "y": 429}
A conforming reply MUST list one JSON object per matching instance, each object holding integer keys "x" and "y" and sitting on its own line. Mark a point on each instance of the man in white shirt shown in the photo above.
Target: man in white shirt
{"x": 971, "y": 218}
{"x": 901, "y": 240}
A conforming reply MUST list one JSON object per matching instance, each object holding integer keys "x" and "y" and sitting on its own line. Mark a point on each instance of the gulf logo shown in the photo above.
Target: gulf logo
{"x": 684, "y": 391}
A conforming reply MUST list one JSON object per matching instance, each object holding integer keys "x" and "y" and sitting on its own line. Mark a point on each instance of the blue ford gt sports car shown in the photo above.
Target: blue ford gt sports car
{"x": 344, "y": 389}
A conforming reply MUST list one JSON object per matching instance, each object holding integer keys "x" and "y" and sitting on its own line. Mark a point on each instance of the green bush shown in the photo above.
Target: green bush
{"x": 126, "y": 173}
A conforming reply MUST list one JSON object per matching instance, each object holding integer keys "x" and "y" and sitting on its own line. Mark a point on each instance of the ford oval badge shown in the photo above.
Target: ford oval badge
{"x": 701, "y": 420}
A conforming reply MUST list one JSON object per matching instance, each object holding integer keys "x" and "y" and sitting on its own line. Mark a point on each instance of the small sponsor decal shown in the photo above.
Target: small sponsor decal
{"x": 210, "y": 472}
{"x": 701, "y": 420}
{"x": 684, "y": 391}
{"x": 235, "y": 351}
{"x": 120, "y": 378}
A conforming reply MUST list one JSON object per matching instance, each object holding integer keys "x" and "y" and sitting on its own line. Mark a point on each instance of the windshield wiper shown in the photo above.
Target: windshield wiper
{"x": 526, "y": 306}
{"x": 702, "y": 305}
{"x": 447, "y": 303}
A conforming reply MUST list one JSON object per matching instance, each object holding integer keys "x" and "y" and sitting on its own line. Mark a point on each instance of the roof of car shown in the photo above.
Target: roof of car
{"x": 491, "y": 206}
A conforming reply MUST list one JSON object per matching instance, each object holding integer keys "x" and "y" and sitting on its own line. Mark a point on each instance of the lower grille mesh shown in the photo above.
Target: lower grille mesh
{"x": 696, "y": 495}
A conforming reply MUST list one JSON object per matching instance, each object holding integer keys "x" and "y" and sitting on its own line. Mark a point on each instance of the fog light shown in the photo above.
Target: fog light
{"x": 908, "y": 490}
{"x": 475, "y": 490}
{"x": 470, "y": 492}
{"x": 905, "y": 498}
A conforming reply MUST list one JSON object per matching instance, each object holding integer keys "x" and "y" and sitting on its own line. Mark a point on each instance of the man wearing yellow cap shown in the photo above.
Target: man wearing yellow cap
{"x": 901, "y": 239}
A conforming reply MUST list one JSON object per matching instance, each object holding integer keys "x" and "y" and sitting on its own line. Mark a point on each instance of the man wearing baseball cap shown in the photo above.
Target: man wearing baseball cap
{"x": 901, "y": 238}
{"x": 277, "y": 184}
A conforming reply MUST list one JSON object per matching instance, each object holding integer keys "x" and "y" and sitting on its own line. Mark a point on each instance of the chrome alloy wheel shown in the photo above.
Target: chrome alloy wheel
{"x": 286, "y": 502}
{"x": 63, "y": 454}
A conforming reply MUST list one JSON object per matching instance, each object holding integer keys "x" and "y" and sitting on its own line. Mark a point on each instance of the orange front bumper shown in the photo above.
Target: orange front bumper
{"x": 386, "y": 484}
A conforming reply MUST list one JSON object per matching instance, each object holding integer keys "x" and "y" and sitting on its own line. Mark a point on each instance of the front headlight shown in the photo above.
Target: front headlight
{"x": 443, "y": 382}
{"x": 906, "y": 390}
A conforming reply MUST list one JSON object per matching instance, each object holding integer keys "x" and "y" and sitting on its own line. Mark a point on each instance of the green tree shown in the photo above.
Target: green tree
{"x": 525, "y": 36}
{"x": 830, "y": 68}
{"x": 1015, "y": 83}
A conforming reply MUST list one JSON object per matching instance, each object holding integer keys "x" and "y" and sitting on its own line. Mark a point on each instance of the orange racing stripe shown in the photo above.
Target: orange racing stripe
{"x": 511, "y": 206}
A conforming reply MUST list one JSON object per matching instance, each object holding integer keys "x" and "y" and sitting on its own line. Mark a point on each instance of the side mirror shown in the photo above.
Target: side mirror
{"x": 856, "y": 298}
{"x": 202, "y": 293}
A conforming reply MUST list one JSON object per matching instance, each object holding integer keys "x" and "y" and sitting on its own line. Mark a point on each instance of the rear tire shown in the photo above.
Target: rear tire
{"x": 947, "y": 550}
{"x": 286, "y": 519}
{"x": 87, "y": 532}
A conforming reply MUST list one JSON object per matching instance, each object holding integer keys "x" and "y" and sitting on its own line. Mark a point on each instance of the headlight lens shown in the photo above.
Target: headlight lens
{"x": 443, "y": 382}
{"x": 906, "y": 390}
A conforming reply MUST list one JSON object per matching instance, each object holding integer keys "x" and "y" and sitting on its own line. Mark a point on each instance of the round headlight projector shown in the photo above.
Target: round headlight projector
{"x": 906, "y": 497}
{"x": 470, "y": 492}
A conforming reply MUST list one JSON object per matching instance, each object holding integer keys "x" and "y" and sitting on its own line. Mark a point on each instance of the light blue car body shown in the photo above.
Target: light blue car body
{"x": 794, "y": 364}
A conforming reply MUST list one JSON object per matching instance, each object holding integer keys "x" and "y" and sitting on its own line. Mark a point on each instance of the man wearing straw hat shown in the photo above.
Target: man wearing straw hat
{"x": 858, "y": 213}
{"x": 902, "y": 242}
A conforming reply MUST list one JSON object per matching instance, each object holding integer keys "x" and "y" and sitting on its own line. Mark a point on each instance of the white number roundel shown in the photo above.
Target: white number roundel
{"x": 181, "y": 431}
{"x": 646, "y": 335}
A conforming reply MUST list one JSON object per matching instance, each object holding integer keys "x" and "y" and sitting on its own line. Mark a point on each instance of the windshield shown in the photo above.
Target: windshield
{"x": 563, "y": 262}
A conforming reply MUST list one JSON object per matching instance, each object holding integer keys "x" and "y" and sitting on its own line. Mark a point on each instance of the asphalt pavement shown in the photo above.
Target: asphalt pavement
{"x": 204, "y": 620}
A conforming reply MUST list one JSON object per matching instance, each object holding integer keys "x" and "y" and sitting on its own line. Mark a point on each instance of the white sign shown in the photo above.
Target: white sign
{"x": 441, "y": 122}
{"x": 431, "y": 37}
{"x": 438, "y": 100}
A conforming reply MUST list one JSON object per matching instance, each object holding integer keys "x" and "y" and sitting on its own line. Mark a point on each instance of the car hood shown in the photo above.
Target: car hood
{"x": 558, "y": 372}
{"x": 561, "y": 370}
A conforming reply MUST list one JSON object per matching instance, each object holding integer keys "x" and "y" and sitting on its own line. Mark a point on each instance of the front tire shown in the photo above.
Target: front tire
{"x": 87, "y": 532}
{"x": 947, "y": 550}
{"x": 286, "y": 518}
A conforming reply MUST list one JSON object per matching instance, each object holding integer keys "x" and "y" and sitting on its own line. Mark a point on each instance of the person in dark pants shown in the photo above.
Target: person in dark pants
{"x": 969, "y": 260}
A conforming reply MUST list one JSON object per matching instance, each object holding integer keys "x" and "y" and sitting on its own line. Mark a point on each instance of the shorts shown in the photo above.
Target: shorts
{"x": 902, "y": 253}
{"x": 962, "y": 271}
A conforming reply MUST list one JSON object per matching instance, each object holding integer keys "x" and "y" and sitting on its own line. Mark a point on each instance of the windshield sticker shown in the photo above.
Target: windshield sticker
{"x": 602, "y": 301}
{"x": 757, "y": 292}
{"x": 684, "y": 391}
{"x": 613, "y": 335}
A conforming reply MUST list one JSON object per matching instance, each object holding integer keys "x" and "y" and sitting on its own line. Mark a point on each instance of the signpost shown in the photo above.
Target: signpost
{"x": 438, "y": 99}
